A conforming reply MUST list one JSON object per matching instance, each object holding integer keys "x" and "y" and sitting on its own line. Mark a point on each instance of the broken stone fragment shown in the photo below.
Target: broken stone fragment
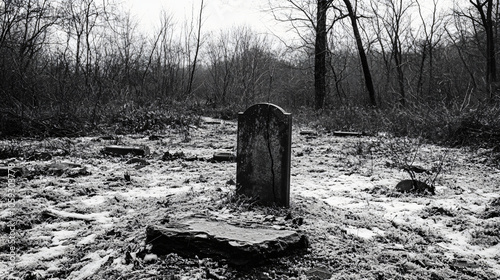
{"x": 13, "y": 171}
{"x": 223, "y": 156}
{"x": 108, "y": 137}
{"x": 40, "y": 156}
{"x": 414, "y": 186}
{"x": 218, "y": 240}
{"x": 319, "y": 272}
{"x": 65, "y": 168}
{"x": 208, "y": 120}
{"x": 124, "y": 150}
{"x": 139, "y": 161}
{"x": 308, "y": 132}
{"x": 347, "y": 133}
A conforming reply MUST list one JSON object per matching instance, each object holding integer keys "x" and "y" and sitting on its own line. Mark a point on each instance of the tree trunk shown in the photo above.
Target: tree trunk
{"x": 362, "y": 54}
{"x": 490, "y": 44}
{"x": 320, "y": 55}
{"x": 197, "y": 49}
{"x": 488, "y": 24}
{"x": 398, "y": 59}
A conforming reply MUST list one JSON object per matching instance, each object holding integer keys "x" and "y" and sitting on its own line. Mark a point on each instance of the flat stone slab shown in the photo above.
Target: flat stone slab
{"x": 308, "y": 132}
{"x": 124, "y": 150}
{"x": 224, "y": 156}
{"x": 222, "y": 241}
{"x": 347, "y": 133}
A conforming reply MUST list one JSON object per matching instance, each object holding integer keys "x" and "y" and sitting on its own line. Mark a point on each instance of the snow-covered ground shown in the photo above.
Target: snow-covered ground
{"x": 91, "y": 226}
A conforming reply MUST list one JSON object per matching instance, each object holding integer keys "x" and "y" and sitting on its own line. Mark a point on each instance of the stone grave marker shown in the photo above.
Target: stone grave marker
{"x": 263, "y": 154}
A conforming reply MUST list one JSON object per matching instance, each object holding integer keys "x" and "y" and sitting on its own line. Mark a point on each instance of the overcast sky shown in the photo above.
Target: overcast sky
{"x": 224, "y": 14}
{"x": 218, "y": 14}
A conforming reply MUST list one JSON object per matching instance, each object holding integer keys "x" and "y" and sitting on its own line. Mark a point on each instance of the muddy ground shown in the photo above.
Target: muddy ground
{"x": 87, "y": 219}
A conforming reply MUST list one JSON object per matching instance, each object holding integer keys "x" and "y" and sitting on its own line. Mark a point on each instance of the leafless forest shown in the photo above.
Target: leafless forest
{"x": 411, "y": 67}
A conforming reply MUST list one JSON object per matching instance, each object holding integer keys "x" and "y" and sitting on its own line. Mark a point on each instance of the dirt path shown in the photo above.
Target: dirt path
{"x": 89, "y": 222}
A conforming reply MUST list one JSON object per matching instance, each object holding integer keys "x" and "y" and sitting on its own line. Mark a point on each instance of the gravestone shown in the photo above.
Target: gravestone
{"x": 263, "y": 154}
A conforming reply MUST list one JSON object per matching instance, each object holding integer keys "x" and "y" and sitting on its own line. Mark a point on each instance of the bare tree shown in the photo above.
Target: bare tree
{"x": 432, "y": 37}
{"x": 485, "y": 10}
{"x": 318, "y": 21}
{"x": 221, "y": 59}
{"x": 197, "y": 49}
{"x": 25, "y": 27}
{"x": 305, "y": 16}
{"x": 361, "y": 51}
{"x": 478, "y": 20}
{"x": 320, "y": 52}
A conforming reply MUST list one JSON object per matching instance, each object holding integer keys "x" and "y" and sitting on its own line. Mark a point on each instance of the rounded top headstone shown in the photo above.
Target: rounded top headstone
{"x": 259, "y": 106}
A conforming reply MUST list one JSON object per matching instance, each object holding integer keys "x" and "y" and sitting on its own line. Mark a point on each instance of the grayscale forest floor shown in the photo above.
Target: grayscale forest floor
{"x": 89, "y": 222}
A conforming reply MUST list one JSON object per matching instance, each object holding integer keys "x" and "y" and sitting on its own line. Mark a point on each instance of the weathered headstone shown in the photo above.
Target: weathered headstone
{"x": 263, "y": 154}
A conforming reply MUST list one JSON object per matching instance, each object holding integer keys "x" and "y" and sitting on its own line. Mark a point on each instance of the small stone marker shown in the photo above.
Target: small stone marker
{"x": 263, "y": 154}
{"x": 237, "y": 245}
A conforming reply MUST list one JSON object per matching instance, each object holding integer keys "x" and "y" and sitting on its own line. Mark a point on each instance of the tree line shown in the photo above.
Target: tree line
{"x": 89, "y": 58}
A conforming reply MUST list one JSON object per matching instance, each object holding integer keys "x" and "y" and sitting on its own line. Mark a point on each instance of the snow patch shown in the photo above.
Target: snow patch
{"x": 44, "y": 254}
{"x": 90, "y": 268}
{"x": 364, "y": 232}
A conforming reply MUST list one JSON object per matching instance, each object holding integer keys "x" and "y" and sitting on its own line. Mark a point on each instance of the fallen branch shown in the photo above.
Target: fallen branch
{"x": 67, "y": 215}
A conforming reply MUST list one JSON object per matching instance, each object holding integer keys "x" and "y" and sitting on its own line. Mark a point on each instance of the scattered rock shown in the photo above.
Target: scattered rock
{"x": 124, "y": 150}
{"x": 219, "y": 240}
{"x": 308, "y": 132}
{"x": 108, "y": 137}
{"x": 490, "y": 213}
{"x": 13, "y": 172}
{"x": 318, "y": 273}
{"x": 414, "y": 186}
{"x": 435, "y": 211}
{"x": 208, "y": 120}
{"x": 150, "y": 258}
{"x": 347, "y": 133}
{"x": 495, "y": 202}
{"x": 223, "y": 156}
{"x": 154, "y": 137}
{"x": 492, "y": 210}
{"x": 40, "y": 156}
{"x": 167, "y": 156}
{"x": 139, "y": 161}
{"x": 298, "y": 221}
{"x": 62, "y": 168}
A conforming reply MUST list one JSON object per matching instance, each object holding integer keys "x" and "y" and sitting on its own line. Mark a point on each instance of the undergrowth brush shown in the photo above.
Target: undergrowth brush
{"x": 473, "y": 126}
{"x": 439, "y": 124}
{"x": 124, "y": 119}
